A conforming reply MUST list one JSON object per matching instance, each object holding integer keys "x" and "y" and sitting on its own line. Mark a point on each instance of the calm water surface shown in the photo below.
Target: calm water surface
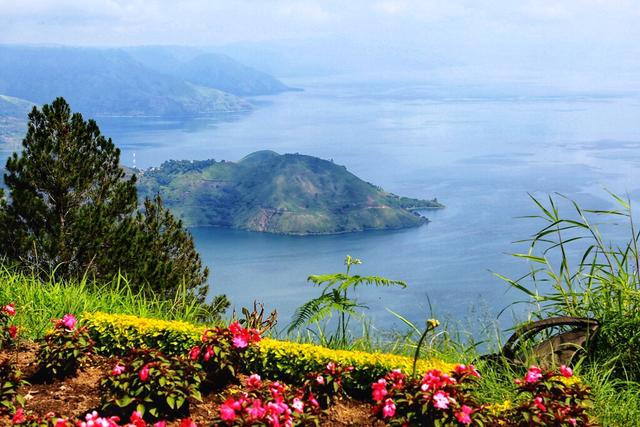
{"x": 479, "y": 155}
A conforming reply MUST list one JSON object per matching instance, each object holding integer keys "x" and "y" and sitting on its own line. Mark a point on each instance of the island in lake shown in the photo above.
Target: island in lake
{"x": 274, "y": 193}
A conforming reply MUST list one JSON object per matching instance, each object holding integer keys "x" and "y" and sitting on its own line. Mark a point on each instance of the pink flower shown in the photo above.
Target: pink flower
{"x": 256, "y": 411}
{"x": 208, "y": 353}
{"x": 539, "y": 402}
{"x": 313, "y": 401}
{"x": 235, "y": 328}
{"x": 331, "y": 368}
{"x": 533, "y": 375}
{"x": 566, "y": 371}
{"x": 9, "y": 309}
{"x": 187, "y": 422}
{"x": 464, "y": 416}
{"x": 194, "y": 352}
{"x": 240, "y": 341}
{"x": 379, "y": 390}
{"x": 573, "y": 421}
{"x": 397, "y": 378}
{"x": 144, "y": 373}
{"x": 320, "y": 379}
{"x": 441, "y": 400}
{"x": 389, "y": 408}
{"x": 136, "y": 420}
{"x": 254, "y": 381}
{"x": 62, "y": 422}
{"x": 118, "y": 369}
{"x": 18, "y": 417}
{"x": 69, "y": 321}
{"x": 227, "y": 413}
{"x": 297, "y": 405}
{"x": 162, "y": 423}
{"x": 13, "y": 332}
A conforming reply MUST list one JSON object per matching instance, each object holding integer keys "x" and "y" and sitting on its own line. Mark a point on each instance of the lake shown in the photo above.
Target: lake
{"x": 478, "y": 153}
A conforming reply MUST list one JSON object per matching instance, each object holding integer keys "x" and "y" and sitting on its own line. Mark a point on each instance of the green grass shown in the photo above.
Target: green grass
{"x": 39, "y": 302}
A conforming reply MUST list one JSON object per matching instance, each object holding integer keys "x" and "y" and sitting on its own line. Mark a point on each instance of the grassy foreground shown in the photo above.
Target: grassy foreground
{"x": 41, "y": 302}
{"x": 615, "y": 401}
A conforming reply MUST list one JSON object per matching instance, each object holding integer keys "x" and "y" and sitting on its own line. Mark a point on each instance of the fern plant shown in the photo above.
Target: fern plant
{"x": 335, "y": 299}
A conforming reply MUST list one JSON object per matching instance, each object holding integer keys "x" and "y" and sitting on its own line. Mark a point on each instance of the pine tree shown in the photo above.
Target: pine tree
{"x": 165, "y": 253}
{"x": 71, "y": 208}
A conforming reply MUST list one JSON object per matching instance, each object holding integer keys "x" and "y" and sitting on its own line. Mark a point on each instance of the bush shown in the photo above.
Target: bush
{"x": 550, "y": 398}
{"x": 65, "y": 349}
{"x": 8, "y": 332}
{"x": 118, "y": 334}
{"x": 293, "y": 361}
{"x": 10, "y": 381}
{"x": 435, "y": 399}
{"x": 221, "y": 352}
{"x": 269, "y": 403}
{"x": 148, "y": 381}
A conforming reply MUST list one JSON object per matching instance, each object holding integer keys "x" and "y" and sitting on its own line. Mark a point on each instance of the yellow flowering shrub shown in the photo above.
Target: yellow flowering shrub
{"x": 116, "y": 334}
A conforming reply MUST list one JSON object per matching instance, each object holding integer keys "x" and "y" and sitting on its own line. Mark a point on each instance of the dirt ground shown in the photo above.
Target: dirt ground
{"x": 75, "y": 396}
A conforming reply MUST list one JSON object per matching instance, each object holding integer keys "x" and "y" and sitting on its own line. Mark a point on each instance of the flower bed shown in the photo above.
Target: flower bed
{"x": 288, "y": 361}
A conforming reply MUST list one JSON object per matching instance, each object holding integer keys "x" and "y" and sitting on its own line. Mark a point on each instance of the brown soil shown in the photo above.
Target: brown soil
{"x": 75, "y": 396}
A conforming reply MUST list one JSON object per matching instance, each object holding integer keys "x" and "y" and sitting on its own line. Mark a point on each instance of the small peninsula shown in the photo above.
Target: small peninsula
{"x": 274, "y": 193}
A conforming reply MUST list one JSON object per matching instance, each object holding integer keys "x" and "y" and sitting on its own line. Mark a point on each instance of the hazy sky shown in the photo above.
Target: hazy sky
{"x": 575, "y": 42}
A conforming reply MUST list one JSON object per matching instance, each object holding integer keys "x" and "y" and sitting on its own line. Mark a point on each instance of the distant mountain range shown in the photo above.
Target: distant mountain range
{"x": 269, "y": 192}
{"x": 150, "y": 81}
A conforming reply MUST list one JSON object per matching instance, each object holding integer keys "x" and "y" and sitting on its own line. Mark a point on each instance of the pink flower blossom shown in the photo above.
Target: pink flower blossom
{"x": 144, "y": 373}
{"x": 389, "y": 408}
{"x": 69, "y": 321}
{"x": 18, "y": 417}
{"x": 188, "y": 422}
{"x": 397, "y": 378}
{"x": 312, "y": 400}
{"x": 320, "y": 379}
{"x": 235, "y": 328}
{"x": 240, "y": 341}
{"x": 9, "y": 309}
{"x": 539, "y": 402}
{"x": 194, "y": 352}
{"x": 573, "y": 421}
{"x": 209, "y": 352}
{"x": 441, "y": 400}
{"x": 254, "y": 381}
{"x": 256, "y": 410}
{"x": 566, "y": 371}
{"x": 136, "y": 420}
{"x": 379, "y": 390}
{"x": 13, "y": 332}
{"x": 298, "y": 405}
{"x": 117, "y": 370}
{"x": 331, "y": 368}
{"x": 227, "y": 413}
{"x": 162, "y": 423}
{"x": 464, "y": 416}
{"x": 533, "y": 375}
{"x": 62, "y": 422}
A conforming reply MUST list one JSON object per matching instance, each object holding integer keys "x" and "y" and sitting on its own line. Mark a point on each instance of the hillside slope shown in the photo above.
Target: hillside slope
{"x": 208, "y": 69}
{"x": 105, "y": 82}
{"x": 269, "y": 192}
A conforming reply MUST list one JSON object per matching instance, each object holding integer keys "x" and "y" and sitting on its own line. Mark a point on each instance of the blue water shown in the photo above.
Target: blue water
{"x": 478, "y": 154}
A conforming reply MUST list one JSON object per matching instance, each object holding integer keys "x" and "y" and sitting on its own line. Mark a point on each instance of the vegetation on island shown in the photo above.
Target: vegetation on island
{"x": 269, "y": 192}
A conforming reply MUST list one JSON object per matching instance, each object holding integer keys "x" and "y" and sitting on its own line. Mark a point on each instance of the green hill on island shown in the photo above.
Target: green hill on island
{"x": 269, "y": 192}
